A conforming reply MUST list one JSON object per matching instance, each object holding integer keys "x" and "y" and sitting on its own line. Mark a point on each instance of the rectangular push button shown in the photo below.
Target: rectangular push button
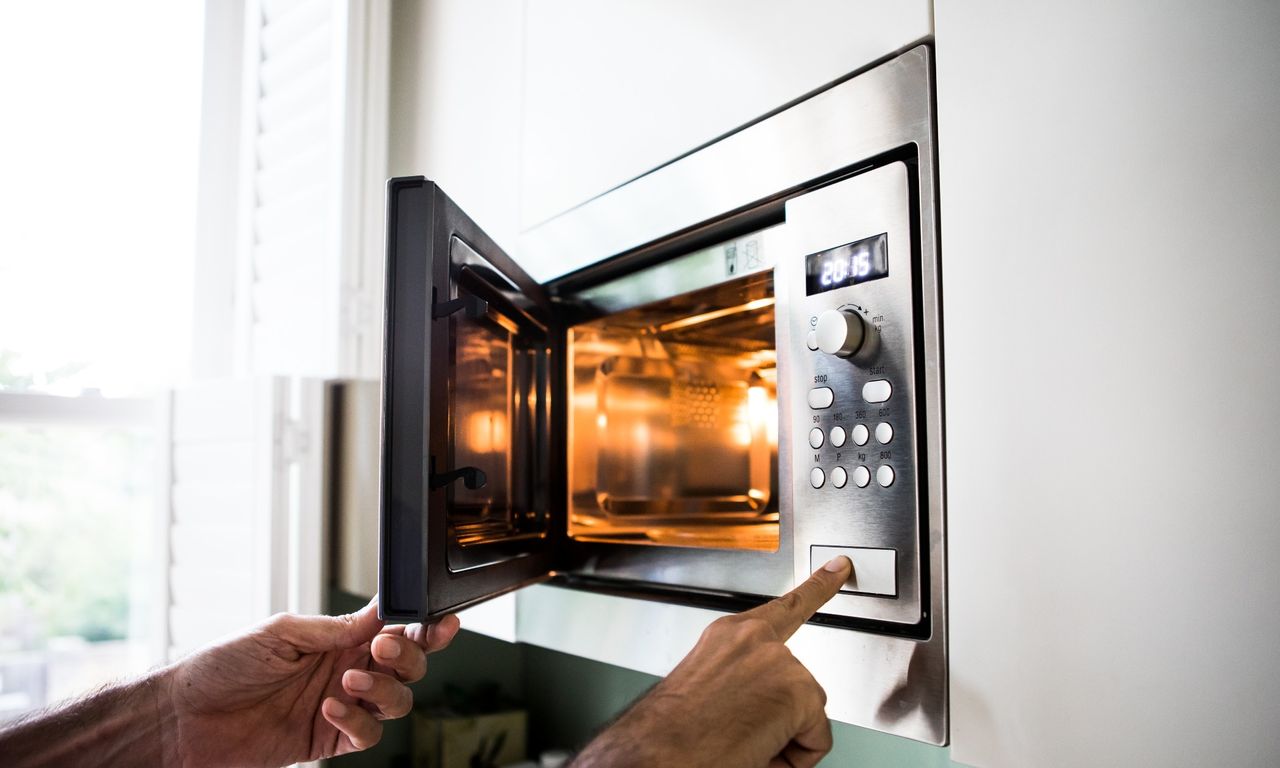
{"x": 875, "y": 571}
{"x": 877, "y": 391}
{"x": 821, "y": 397}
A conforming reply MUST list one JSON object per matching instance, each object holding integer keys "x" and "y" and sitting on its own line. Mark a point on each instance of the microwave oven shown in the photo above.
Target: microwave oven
{"x": 697, "y": 387}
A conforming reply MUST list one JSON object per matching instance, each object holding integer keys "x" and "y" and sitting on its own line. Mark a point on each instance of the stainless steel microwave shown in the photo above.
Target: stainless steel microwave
{"x": 735, "y": 375}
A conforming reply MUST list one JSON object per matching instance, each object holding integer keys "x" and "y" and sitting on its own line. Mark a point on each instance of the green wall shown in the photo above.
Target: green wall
{"x": 569, "y": 699}
{"x": 574, "y": 697}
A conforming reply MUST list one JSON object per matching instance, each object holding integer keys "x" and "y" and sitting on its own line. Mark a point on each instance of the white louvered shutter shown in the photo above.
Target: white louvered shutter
{"x": 247, "y": 521}
{"x": 299, "y": 187}
{"x": 313, "y": 160}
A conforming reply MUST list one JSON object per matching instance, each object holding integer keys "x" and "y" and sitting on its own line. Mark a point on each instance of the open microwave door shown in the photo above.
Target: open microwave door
{"x": 467, "y": 459}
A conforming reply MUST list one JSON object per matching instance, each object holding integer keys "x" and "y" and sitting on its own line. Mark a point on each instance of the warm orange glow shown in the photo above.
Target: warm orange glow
{"x": 486, "y": 431}
{"x": 674, "y": 422}
{"x": 705, "y": 317}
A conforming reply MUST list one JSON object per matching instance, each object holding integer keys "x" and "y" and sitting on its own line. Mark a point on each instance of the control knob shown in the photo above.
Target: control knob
{"x": 840, "y": 332}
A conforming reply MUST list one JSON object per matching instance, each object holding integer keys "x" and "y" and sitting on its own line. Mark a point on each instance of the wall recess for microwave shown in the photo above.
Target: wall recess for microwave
{"x": 696, "y": 388}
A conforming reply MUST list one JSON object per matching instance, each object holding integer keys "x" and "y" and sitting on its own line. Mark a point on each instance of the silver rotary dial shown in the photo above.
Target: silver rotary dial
{"x": 840, "y": 332}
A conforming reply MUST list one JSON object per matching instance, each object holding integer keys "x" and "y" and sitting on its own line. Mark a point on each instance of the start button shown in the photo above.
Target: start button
{"x": 875, "y": 571}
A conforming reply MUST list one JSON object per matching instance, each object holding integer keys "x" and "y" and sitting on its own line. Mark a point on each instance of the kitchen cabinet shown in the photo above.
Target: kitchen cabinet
{"x": 1109, "y": 188}
{"x": 455, "y": 104}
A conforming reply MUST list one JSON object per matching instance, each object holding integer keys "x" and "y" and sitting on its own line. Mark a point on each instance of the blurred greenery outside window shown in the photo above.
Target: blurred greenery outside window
{"x": 78, "y": 482}
{"x": 97, "y": 239}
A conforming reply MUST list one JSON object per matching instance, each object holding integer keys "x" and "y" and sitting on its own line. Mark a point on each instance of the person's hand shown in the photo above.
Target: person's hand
{"x": 738, "y": 699}
{"x": 297, "y": 688}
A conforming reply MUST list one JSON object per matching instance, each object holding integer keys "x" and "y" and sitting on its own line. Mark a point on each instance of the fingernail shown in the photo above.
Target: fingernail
{"x": 338, "y": 709}
{"x": 388, "y": 649}
{"x": 359, "y": 681}
{"x": 837, "y": 564}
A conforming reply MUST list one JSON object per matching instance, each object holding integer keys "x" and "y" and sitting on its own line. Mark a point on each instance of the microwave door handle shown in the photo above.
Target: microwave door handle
{"x": 473, "y": 478}
{"x": 475, "y": 307}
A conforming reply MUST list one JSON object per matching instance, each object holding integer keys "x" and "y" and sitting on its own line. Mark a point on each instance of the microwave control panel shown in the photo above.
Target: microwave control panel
{"x": 850, "y": 367}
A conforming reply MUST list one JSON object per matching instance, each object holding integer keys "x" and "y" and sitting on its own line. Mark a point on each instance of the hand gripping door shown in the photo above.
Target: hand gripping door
{"x": 466, "y": 512}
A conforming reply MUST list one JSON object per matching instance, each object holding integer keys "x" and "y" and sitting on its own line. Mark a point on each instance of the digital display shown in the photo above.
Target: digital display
{"x": 850, "y": 264}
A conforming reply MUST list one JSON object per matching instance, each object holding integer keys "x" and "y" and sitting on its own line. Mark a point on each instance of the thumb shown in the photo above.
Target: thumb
{"x": 330, "y": 633}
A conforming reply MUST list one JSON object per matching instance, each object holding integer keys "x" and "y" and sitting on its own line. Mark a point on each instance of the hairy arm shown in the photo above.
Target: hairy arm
{"x": 739, "y": 698}
{"x": 118, "y": 725}
{"x": 292, "y": 689}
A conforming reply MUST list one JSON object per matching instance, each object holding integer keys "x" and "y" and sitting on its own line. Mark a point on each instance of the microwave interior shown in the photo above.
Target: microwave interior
{"x": 673, "y": 421}
{"x": 672, "y": 429}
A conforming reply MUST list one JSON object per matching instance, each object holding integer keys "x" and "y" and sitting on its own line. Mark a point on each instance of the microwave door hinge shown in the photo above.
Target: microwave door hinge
{"x": 472, "y": 477}
{"x": 474, "y": 306}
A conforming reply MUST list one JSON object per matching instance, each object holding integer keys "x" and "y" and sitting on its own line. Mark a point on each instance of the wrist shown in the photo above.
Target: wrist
{"x": 120, "y": 724}
{"x": 160, "y": 694}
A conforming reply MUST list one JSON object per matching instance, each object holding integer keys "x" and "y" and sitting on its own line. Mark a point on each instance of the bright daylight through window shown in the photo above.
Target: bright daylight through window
{"x": 97, "y": 205}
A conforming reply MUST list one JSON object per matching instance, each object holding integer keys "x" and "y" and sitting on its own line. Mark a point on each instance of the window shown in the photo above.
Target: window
{"x": 96, "y": 240}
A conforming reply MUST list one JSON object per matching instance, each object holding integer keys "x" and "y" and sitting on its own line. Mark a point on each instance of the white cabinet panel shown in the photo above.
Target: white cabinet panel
{"x": 495, "y": 618}
{"x": 643, "y": 635}
{"x": 455, "y": 104}
{"x": 1109, "y": 197}
{"x": 613, "y": 90}
{"x": 522, "y": 110}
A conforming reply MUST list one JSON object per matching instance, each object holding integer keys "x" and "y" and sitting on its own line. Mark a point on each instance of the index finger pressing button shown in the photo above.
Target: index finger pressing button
{"x": 874, "y": 570}
{"x": 787, "y": 613}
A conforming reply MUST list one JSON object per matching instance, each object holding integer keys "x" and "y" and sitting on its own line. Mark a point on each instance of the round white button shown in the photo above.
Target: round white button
{"x": 811, "y": 341}
{"x": 884, "y": 433}
{"x": 884, "y": 475}
{"x": 815, "y": 437}
{"x": 837, "y": 436}
{"x": 839, "y": 477}
{"x": 817, "y": 477}
{"x": 861, "y": 476}
{"x": 860, "y": 434}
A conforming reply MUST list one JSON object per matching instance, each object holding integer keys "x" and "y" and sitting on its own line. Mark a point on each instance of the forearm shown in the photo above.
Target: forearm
{"x": 124, "y": 724}
{"x": 645, "y": 736}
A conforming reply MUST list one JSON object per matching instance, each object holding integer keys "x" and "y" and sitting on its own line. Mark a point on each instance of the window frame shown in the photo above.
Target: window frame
{"x": 91, "y": 410}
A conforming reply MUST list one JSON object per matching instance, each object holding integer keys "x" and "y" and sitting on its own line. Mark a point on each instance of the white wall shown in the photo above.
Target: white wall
{"x": 1110, "y": 183}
